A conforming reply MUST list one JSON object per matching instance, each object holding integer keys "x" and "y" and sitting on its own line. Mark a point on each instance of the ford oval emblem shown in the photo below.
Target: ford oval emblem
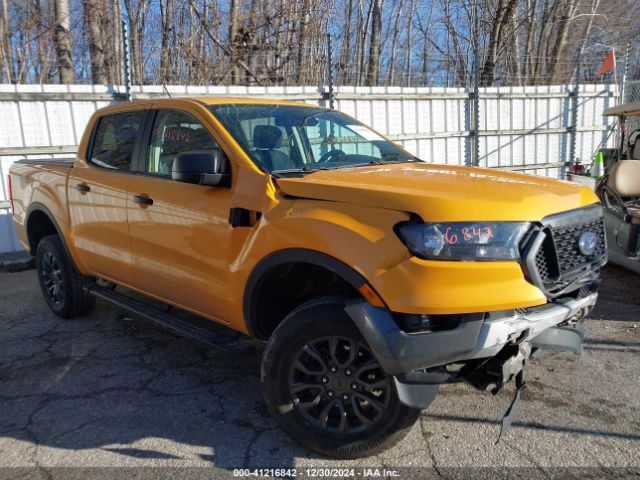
{"x": 587, "y": 243}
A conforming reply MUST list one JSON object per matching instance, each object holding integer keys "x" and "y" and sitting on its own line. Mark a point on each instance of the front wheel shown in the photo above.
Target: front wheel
{"x": 325, "y": 387}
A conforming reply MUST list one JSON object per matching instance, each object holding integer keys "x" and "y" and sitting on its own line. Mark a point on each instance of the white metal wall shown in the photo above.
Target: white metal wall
{"x": 518, "y": 125}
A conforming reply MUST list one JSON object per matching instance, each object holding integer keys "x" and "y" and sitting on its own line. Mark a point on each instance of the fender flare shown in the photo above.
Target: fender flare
{"x": 292, "y": 255}
{"x": 39, "y": 207}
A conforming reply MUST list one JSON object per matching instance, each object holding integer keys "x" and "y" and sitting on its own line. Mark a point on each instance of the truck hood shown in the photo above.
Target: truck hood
{"x": 439, "y": 193}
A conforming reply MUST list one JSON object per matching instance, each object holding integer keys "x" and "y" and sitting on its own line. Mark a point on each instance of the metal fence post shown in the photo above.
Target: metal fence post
{"x": 625, "y": 71}
{"x": 475, "y": 112}
{"x": 126, "y": 60}
{"x": 330, "y": 72}
{"x": 475, "y": 155}
{"x": 573, "y": 128}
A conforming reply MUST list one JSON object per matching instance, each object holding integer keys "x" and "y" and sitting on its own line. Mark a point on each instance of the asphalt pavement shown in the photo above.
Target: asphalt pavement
{"x": 108, "y": 396}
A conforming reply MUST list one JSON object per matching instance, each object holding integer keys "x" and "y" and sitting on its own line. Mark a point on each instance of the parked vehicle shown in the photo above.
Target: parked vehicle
{"x": 619, "y": 191}
{"x": 373, "y": 277}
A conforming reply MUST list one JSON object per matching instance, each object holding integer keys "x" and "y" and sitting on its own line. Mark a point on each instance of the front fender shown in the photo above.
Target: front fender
{"x": 354, "y": 241}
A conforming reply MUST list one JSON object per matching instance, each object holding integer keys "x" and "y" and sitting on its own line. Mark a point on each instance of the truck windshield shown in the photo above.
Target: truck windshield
{"x": 286, "y": 138}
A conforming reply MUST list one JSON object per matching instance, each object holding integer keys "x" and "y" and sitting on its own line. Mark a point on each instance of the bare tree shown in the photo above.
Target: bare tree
{"x": 499, "y": 24}
{"x": 409, "y": 40}
{"x": 568, "y": 10}
{"x": 136, "y": 13}
{"x": 62, "y": 39}
{"x": 374, "y": 47}
{"x": 167, "y": 15}
{"x": 391, "y": 69}
{"x": 116, "y": 71}
{"x": 5, "y": 39}
{"x": 233, "y": 40}
{"x": 97, "y": 27}
{"x": 267, "y": 42}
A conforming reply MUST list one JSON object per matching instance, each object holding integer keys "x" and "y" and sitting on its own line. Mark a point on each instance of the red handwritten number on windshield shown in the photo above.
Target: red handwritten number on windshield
{"x": 450, "y": 238}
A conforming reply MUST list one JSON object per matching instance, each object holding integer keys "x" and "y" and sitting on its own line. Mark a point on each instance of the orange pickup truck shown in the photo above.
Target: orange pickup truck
{"x": 374, "y": 277}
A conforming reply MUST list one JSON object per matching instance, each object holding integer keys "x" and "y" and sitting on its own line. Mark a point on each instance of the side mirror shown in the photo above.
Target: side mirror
{"x": 202, "y": 167}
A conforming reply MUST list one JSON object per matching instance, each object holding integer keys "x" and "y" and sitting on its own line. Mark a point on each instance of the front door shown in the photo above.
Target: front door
{"x": 180, "y": 232}
{"x": 98, "y": 196}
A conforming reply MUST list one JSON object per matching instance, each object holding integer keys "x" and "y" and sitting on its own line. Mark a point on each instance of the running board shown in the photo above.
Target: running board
{"x": 174, "y": 324}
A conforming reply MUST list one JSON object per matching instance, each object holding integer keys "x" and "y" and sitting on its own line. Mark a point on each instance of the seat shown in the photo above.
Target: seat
{"x": 265, "y": 140}
{"x": 624, "y": 180}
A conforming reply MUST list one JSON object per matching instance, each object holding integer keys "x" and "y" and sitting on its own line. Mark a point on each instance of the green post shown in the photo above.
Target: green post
{"x": 597, "y": 169}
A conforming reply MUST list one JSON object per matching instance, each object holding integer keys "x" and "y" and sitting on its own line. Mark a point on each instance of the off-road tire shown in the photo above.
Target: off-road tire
{"x": 317, "y": 319}
{"x": 73, "y": 301}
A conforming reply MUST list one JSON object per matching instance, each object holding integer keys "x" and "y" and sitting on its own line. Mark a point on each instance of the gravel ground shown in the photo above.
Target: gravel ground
{"x": 79, "y": 396}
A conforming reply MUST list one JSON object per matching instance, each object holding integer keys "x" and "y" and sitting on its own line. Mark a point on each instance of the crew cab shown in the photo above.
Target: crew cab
{"x": 373, "y": 276}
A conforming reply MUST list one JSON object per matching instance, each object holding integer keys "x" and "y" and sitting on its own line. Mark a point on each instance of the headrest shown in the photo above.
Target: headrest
{"x": 266, "y": 136}
{"x": 624, "y": 178}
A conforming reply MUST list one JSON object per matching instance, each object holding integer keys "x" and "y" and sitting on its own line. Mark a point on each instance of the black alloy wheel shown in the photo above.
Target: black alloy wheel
{"x": 325, "y": 387}
{"x": 52, "y": 278}
{"x": 338, "y": 385}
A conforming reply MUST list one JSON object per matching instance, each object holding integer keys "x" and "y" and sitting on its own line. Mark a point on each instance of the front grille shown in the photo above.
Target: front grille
{"x": 546, "y": 261}
{"x": 565, "y": 240}
{"x": 558, "y": 262}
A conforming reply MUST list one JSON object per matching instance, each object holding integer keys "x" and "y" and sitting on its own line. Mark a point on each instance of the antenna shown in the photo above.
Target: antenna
{"x": 166, "y": 89}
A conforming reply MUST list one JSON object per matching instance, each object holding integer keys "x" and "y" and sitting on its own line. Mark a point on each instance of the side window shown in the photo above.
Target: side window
{"x": 114, "y": 140}
{"x": 175, "y": 132}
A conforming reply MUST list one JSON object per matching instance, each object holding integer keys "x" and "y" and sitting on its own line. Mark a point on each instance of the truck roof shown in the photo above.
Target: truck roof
{"x": 249, "y": 100}
{"x": 167, "y": 102}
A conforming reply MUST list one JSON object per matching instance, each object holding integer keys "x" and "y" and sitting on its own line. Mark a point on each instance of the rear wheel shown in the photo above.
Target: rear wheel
{"x": 60, "y": 281}
{"x": 325, "y": 387}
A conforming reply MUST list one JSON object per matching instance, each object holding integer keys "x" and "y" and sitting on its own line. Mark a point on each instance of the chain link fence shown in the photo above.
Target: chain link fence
{"x": 632, "y": 94}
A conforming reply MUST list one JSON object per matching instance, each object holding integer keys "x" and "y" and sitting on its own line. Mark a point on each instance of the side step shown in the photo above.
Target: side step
{"x": 175, "y": 324}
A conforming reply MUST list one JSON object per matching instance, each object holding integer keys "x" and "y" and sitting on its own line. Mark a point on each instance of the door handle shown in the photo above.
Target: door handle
{"x": 142, "y": 200}
{"x": 82, "y": 187}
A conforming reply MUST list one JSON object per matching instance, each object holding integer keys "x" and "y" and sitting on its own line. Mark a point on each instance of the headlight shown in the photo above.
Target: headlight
{"x": 464, "y": 240}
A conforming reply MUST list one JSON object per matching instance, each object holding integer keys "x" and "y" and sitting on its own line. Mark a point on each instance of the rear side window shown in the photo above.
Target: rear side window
{"x": 114, "y": 140}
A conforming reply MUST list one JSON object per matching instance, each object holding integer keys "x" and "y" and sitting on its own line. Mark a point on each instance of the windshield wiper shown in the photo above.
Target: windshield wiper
{"x": 373, "y": 162}
{"x": 305, "y": 169}
{"x": 398, "y": 160}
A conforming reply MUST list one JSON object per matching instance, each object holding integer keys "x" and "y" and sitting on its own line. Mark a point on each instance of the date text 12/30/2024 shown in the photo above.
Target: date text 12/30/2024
{"x": 316, "y": 472}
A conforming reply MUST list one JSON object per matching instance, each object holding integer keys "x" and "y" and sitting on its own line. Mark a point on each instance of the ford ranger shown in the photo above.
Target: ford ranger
{"x": 374, "y": 277}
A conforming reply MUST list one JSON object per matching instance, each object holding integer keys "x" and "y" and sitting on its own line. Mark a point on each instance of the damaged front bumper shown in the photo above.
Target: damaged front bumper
{"x": 487, "y": 350}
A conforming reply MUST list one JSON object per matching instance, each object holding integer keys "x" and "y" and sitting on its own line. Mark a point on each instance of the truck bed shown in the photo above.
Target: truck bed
{"x": 42, "y": 182}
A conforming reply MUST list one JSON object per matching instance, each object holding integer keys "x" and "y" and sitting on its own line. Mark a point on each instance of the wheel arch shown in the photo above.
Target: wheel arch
{"x": 40, "y": 222}
{"x": 299, "y": 264}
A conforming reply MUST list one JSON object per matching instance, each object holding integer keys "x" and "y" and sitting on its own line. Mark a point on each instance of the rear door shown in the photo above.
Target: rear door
{"x": 97, "y": 193}
{"x": 180, "y": 232}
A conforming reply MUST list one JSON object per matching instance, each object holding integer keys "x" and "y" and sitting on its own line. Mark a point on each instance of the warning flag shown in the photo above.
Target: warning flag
{"x": 608, "y": 64}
